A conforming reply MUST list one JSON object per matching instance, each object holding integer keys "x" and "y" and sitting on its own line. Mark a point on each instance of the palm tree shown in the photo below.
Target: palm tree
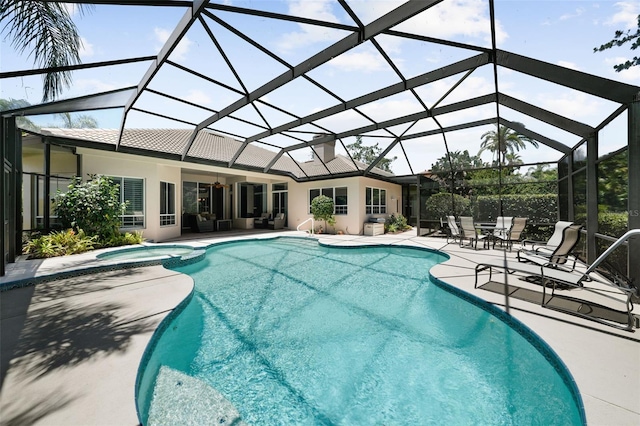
{"x": 81, "y": 121}
{"x": 21, "y": 122}
{"x": 513, "y": 159}
{"x": 504, "y": 141}
{"x": 47, "y": 31}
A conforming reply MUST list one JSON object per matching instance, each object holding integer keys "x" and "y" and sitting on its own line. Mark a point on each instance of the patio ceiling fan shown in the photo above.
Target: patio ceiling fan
{"x": 217, "y": 184}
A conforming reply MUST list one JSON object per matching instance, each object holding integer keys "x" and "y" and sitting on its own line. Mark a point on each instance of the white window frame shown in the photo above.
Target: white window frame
{"x": 168, "y": 218}
{"x": 375, "y": 208}
{"x": 136, "y": 219}
{"x": 338, "y": 209}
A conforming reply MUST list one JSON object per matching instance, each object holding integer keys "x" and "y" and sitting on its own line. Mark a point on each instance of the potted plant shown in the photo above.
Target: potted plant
{"x": 322, "y": 209}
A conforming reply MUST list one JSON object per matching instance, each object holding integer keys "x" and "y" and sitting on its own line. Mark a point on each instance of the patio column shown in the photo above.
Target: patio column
{"x": 634, "y": 187}
{"x": 418, "y": 213}
{"x": 10, "y": 190}
{"x": 592, "y": 196}
{"x": 46, "y": 205}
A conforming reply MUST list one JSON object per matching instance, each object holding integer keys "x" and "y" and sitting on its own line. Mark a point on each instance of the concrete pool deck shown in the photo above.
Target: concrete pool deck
{"x": 70, "y": 348}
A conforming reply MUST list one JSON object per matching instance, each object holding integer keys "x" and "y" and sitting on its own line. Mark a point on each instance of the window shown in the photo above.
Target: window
{"x": 167, "y": 204}
{"x": 253, "y": 199}
{"x": 376, "y": 201}
{"x": 279, "y": 187}
{"x": 132, "y": 193}
{"x": 338, "y": 195}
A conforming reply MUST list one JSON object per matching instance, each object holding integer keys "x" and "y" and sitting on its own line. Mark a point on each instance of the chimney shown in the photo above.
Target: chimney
{"x": 324, "y": 151}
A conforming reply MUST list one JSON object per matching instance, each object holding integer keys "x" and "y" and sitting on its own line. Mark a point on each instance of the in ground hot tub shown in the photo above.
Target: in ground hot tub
{"x": 147, "y": 252}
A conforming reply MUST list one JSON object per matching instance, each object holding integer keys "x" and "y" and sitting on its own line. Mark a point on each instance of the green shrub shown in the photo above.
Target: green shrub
{"x": 93, "y": 206}
{"x": 396, "y": 223}
{"x": 613, "y": 224}
{"x": 59, "y": 243}
{"x": 128, "y": 238}
{"x": 322, "y": 209}
{"x": 439, "y": 205}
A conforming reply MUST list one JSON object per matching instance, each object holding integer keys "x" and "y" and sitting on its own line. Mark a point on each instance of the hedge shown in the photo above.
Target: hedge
{"x": 439, "y": 205}
{"x": 538, "y": 208}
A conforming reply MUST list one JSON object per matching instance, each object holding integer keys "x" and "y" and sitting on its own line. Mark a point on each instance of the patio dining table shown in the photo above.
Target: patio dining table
{"x": 487, "y": 229}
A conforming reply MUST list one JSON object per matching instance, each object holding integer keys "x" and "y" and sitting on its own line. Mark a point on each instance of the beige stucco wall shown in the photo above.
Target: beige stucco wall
{"x": 353, "y": 222}
{"x": 154, "y": 170}
{"x": 149, "y": 169}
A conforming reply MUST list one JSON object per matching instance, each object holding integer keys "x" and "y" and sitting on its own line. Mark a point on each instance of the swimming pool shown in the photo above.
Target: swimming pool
{"x": 286, "y": 331}
{"x": 146, "y": 252}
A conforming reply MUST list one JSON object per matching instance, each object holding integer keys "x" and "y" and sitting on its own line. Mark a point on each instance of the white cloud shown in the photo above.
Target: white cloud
{"x": 198, "y": 97}
{"x": 448, "y": 19}
{"x": 577, "y": 106}
{"x": 627, "y": 15}
{"x": 181, "y": 50}
{"x": 94, "y": 85}
{"x": 86, "y": 48}
{"x": 567, "y": 16}
{"x": 309, "y": 34}
{"x": 568, "y": 64}
{"x": 396, "y": 107}
{"x": 364, "y": 61}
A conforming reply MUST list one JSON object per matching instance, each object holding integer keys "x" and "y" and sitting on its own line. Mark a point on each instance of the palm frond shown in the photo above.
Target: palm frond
{"x": 46, "y": 31}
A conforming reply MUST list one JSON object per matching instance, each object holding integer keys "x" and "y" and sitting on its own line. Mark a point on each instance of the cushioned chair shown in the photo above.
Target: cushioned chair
{"x": 277, "y": 222}
{"x": 205, "y": 224}
{"x": 262, "y": 221}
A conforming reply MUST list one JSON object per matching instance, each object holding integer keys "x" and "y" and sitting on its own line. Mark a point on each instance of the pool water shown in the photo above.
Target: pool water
{"x": 145, "y": 252}
{"x": 286, "y": 331}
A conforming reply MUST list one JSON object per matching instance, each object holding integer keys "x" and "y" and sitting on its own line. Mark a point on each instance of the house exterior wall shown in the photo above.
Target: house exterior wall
{"x": 353, "y": 222}
{"x": 149, "y": 169}
{"x": 154, "y": 170}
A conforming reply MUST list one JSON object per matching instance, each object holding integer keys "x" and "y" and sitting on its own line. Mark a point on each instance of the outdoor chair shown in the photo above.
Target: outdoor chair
{"x": 277, "y": 222}
{"x": 549, "y": 245}
{"x": 519, "y": 223}
{"x": 454, "y": 231}
{"x": 596, "y": 278}
{"x": 502, "y": 233}
{"x": 560, "y": 255}
{"x": 205, "y": 224}
{"x": 262, "y": 221}
{"x": 469, "y": 231}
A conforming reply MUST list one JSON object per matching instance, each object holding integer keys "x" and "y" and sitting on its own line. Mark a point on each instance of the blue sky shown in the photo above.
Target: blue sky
{"x": 559, "y": 32}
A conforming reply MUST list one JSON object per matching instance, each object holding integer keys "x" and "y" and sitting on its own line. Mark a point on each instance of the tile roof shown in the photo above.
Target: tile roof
{"x": 211, "y": 146}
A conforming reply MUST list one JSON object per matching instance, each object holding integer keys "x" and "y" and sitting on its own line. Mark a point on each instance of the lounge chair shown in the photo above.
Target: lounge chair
{"x": 454, "y": 231}
{"x": 591, "y": 278}
{"x": 277, "y": 222}
{"x": 552, "y": 242}
{"x": 560, "y": 255}
{"x": 469, "y": 232}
